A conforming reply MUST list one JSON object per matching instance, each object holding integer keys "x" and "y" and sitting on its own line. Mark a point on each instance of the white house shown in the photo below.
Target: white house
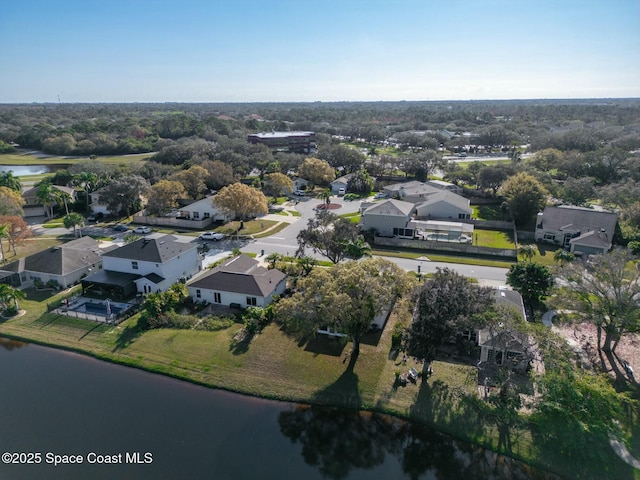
{"x": 413, "y": 191}
{"x": 63, "y": 265}
{"x": 96, "y": 205}
{"x": 239, "y": 281}
{"x": 148, "y": 265}
{"x": 340, "y": 183}
{"x": 202, "y": 210}
{"x": 388, "y": 218}
{"x": 300, "y": 183}
{"x": 444, "y": 205}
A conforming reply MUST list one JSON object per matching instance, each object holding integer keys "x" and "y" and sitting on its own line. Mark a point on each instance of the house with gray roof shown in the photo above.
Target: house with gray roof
{"x": 389, "y": 218}
{"x": 62, "y": 265}
{"x": 580, "y": 230}
{"x": 340, "y": 183}
{"x": 239, "y": 281}
{"x": 444, "y": 204}
{"x": 147, "y": 265}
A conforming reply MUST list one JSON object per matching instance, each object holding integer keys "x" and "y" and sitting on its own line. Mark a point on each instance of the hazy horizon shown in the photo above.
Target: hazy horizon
{"x": 250, "y": 51}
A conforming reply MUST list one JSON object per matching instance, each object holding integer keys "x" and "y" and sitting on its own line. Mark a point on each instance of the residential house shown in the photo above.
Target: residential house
{"x": 442, "y": 185}
{"x": 505, "y": 347}
{"x": 300, "y": 183}
{"x": 501, "y": 345}
{"x": 239, "y": 281}
{"x": 444, "y": 205}
{"x": 148, "y": 265}
{"x": 389, "y": 218}
{"x": 340, "y": 183}
{"x": 582, "y": 231}
{"x": 204, "y": 209}
{"x": 33, "y": 207}
{"x": 419, "y": 192}
{"x": 196, "y": 215}
{"x": 96, "y": 205}
{"x": 62, "y": 265}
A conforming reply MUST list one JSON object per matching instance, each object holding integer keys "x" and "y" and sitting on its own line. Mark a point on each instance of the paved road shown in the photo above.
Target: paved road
{"x": 285, "y": 243}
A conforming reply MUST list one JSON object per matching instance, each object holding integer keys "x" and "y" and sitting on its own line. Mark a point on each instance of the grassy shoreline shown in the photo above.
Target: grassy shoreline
{"x": 274, "y": 366}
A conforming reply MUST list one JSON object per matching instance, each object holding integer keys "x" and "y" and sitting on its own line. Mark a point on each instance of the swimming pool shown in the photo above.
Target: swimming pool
{"x": 98, "y": 307}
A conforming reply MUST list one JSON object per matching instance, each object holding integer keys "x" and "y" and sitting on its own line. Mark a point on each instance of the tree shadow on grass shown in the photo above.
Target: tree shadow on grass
{"x": 127, "y": 337}
{"x": 324, "y": 345}
{"x": 240, "y": 342}
{"x": 344, "y": 391}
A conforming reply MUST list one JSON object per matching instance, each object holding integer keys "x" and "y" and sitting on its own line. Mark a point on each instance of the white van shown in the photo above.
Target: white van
{"x": 341, "y": 192}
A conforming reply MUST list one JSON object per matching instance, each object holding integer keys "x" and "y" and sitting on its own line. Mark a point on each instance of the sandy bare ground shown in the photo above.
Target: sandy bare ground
{"x": 583, "y": 336}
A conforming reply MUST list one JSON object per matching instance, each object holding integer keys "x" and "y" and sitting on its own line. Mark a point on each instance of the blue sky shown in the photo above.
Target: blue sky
{"x": 285, "y": 50}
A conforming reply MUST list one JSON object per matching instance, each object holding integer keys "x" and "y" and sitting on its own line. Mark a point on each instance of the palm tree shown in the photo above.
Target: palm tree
{"x": 527, "y": 251}
{"x": 88, "y": 182}
{"x": 63, "y": 197}
{"x": 11, "y": 294}
{"x": 71, "y": 220}
{"x": 8, "y": 180}
{"x": 357, "y": 249}
{"x": 562, "y": 257}
{"x": 45, "y": 194}
{"x": 325, "y": 195}
{"x": 272, "y": 259}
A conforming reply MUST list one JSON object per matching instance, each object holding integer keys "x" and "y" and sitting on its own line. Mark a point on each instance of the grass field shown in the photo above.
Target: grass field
{"x": 17, "y": 159}
{"x": 493, "y": 239}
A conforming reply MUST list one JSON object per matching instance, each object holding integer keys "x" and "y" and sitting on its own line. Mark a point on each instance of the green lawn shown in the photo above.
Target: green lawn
{"x": 14, "y": 159}
{"x": 354, "y": 217}
{"x": 493, "y": 239}
{"x": 437, "y": 257}
{"x": 488, "y": 212}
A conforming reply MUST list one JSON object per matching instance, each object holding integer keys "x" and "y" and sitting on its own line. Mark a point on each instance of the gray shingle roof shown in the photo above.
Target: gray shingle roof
{"x": 580, "y": 219}
{"x": 448, "y": 197}
{"x": 157, "y": 250}
{"x": 391, "y": 207}
{"x": 243, "y": 275}
{"x": 60, "y": 260}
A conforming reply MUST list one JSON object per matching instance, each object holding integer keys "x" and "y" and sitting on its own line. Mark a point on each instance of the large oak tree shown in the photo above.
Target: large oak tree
{"x": 241, "y": 200}
{"x": 346, "y": 298}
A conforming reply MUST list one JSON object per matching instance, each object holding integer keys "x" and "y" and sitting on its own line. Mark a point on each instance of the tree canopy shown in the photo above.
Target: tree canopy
{"x": 329, "y": 235}
{"x": 525, "y": 196}
{"x": 346, "y": 298}
{"x": 317, "y": 171}
{"x": 532, "y": 280}
{"x": 447, "y": 304}
{"x": 163, "y": 196}
{"x": 241, "y": 200}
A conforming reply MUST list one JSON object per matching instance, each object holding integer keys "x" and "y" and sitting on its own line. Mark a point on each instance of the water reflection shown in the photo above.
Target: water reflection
{"x": 337, "y": 442}
{"x": 8, "y": 344}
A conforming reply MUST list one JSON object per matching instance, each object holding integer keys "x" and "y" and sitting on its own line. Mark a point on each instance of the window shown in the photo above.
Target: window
{"x": 206, "y": 215}
{"x": 216, "y": 297}
{"x": 549, "y": 236}
{"x": 196, "y": 215}
{"x": 198, "y": 293}
{"x": 251, "y": 301}
{"x": 134, "y": 265}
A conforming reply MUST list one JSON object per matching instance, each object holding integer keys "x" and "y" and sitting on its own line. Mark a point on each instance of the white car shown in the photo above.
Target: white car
{"x": 300, "y": 193}
{"x": 143, "y": 230}
{"x": 211, "y": 236}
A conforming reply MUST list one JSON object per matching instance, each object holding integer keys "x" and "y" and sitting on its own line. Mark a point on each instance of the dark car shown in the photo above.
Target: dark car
{"x": 95, "y": 217}
{"x": 121, "y": 228}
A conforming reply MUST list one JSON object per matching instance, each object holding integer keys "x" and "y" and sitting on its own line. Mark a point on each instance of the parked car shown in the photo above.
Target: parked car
{"x": 95, "y": 217}
{"x": 121, "y": 228}
{"x": 380, "y": 195}
{"x": 300, "y": 193}
{"x": 142, "y": 230}
{"x": 211, "y": 236}
{"x": 341, "y": 192}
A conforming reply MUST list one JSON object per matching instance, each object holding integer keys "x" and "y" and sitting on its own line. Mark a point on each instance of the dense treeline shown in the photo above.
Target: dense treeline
{"x": 581, "y": 151}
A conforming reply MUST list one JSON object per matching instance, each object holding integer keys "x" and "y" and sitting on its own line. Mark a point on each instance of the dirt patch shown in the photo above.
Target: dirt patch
{"x": 584, "y": 336}
{"x": 330, "y": 206}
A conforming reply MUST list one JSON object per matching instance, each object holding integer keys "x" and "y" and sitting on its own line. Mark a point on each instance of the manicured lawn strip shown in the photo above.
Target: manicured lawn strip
{"x": 493, "y": 238}
{"x": 354, "y": 217}
{"x": 435, "y": 257}
{"x": 278, "y": 228}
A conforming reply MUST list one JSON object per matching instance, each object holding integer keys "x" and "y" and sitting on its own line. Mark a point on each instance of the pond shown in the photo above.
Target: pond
{"x": 21, "y": 170}
{"x": 119, "y": 422}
